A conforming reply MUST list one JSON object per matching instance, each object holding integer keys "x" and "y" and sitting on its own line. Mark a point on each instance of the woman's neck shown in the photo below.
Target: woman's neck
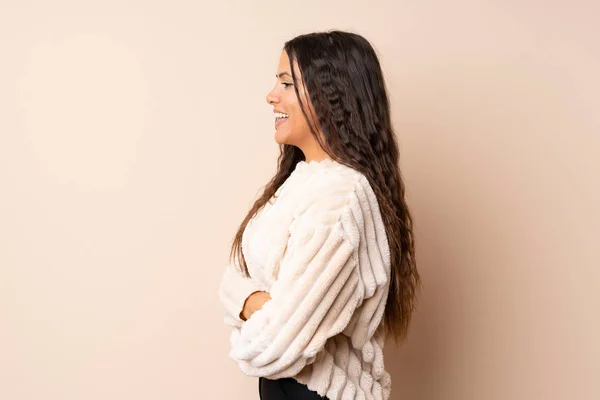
{"x": 315, "y": 153}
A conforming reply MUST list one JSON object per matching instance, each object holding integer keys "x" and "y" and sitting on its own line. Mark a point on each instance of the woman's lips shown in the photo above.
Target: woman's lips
{"x": 280, "y": 121}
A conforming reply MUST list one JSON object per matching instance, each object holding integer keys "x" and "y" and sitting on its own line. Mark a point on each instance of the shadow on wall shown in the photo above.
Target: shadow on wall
{"x": 431, "y": 363}
{"x": 424, "y": 362}
{"x": 428, "y": 358}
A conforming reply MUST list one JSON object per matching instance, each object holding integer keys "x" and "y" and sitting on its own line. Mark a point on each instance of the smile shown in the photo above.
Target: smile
{"x": 280, "y": 118}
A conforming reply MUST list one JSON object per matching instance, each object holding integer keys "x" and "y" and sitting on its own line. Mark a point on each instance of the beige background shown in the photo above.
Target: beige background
{"x": 133, "y": 138}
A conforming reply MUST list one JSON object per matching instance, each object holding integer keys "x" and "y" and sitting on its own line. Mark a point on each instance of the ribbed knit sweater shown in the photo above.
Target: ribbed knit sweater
{"x": 319, "y": 247}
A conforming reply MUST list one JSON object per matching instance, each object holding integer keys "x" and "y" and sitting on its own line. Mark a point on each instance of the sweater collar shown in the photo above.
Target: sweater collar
{"x": 303, "y": 166}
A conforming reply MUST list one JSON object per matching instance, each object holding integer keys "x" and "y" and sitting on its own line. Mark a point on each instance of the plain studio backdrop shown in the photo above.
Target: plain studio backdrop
{"x": 135, "y": 136}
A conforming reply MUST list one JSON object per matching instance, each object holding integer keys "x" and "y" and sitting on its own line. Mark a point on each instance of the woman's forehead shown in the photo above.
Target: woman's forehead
{"x": 284, "y": 65}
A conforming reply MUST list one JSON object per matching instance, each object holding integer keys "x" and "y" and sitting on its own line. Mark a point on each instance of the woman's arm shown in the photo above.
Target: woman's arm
{"x": 234, "y": 291}
{"x": 317, "y": 291}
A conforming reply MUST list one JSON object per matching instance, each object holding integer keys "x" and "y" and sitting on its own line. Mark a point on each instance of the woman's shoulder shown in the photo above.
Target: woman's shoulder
{"x": 328, "y": 189}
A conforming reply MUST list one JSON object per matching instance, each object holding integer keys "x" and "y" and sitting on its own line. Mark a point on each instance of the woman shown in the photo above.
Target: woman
{"x": 324, "y": 261}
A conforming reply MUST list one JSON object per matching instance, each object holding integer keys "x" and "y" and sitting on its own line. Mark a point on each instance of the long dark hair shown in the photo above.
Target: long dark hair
{"x": 343, "y": 77}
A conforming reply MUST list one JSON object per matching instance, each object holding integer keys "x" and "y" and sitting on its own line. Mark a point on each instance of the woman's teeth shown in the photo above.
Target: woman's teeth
{"x": 280, "y": 117}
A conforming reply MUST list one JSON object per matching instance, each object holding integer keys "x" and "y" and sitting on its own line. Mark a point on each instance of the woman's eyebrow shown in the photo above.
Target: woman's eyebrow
{"x": 282, "y": 74}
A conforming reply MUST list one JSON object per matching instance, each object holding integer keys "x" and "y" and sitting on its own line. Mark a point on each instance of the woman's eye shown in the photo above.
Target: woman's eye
{"x": 287, "y": 84}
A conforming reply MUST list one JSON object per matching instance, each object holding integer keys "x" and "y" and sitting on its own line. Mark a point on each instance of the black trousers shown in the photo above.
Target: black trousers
{"x": 285, "y": 389}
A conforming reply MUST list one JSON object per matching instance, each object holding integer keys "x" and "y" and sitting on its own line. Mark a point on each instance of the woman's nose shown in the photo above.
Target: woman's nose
{"x": 271, "y": 98}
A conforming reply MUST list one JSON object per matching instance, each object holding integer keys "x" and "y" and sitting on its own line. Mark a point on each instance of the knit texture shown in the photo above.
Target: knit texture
{"x": 319, "y": 247}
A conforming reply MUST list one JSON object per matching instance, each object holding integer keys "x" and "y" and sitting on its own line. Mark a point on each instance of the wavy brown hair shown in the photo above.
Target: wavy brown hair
{"x": 345, "y": 84}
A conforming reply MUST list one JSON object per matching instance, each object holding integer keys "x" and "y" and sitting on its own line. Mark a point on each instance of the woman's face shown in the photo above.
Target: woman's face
{"x": 290, "y": 125}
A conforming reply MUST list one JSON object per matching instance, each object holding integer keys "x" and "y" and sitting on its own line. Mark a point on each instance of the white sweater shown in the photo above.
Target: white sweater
{"x": 320, "y": 249}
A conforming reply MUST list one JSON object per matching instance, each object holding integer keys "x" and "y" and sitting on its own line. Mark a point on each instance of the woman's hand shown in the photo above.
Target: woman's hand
{"x": 253, "y": 303}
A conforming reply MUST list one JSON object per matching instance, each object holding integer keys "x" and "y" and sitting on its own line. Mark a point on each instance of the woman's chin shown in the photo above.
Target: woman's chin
{"x": 280, "y": 137}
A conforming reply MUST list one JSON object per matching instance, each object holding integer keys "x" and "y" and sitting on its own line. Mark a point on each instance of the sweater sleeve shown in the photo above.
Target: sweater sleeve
{"x": 319, "y": 287}
{"x": 233, "y": 292}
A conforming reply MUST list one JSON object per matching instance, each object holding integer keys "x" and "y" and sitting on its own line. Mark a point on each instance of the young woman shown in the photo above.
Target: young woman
{"x": 324, "y": 267}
